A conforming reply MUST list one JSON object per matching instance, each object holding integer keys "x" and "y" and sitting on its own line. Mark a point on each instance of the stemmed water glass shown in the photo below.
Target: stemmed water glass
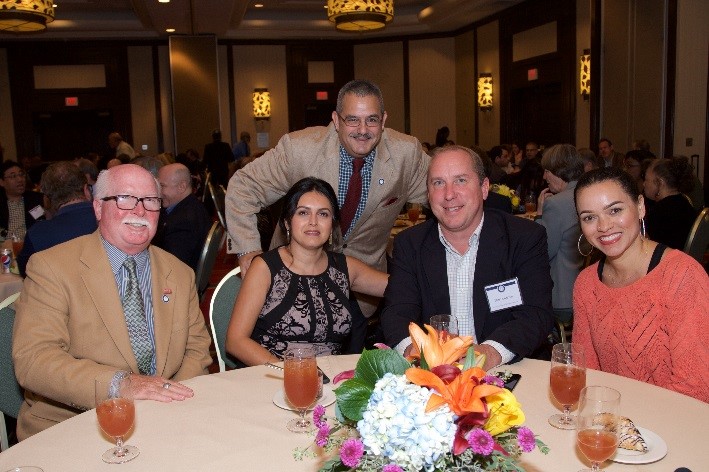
{"x": 116, "y": 414}
{"x": 445, "y": 325}
{"x": 300, "y": 383}
{"x": 597, "y": 432}
{"x": 566, "y": 378}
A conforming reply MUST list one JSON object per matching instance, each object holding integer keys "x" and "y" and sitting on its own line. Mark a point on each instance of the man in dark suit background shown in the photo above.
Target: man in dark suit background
{"x": 488, "y": 269}
{"x": 184, "y": 222}
{"x": 68, "y": 199}
{"x": 19, "y": 207}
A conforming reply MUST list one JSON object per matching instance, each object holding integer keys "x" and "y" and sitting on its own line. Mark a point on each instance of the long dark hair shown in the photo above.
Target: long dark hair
{"x": 303, "y": 186}
{"x": 604, "y": 174}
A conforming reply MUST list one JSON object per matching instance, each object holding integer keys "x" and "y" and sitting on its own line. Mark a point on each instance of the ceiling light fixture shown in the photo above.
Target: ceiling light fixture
{"x": 24, "y": 16}
{"x": 163, "y": 1}
{"x": 360, "y": 15}
{"x": 170, "y": 30}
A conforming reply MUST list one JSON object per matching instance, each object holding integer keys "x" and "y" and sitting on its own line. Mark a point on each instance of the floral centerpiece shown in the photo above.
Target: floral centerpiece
{"x": 507, "y": 192}
{"x": 424, "y": 413}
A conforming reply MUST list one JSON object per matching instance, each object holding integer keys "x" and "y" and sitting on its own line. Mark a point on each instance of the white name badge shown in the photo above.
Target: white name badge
{"x": 37, "y": 212}
{"x": 503, "y": 295}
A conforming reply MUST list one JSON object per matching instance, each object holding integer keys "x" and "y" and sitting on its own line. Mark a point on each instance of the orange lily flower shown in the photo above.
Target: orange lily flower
{"x": 463, "y": 395}
{"x": 435, "y": 351}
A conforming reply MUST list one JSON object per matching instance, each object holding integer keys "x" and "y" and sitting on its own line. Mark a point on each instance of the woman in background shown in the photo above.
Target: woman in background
{"x": 641, "y": 311}
{"x": 556, "y": 212}
{"x": 299, "y": 293}
{"x": 670, "y": 220}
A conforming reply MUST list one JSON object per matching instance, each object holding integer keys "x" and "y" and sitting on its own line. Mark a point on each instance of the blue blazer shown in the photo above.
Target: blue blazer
{"x": 182, "y": 232}
{"x": 509, "y": 247}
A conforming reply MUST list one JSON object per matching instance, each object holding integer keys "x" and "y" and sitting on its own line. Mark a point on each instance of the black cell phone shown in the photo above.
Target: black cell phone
{"x": 511, "y": 383}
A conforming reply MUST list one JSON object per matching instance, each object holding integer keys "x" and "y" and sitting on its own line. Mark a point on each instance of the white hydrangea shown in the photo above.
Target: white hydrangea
{"x": 396, "y": 425}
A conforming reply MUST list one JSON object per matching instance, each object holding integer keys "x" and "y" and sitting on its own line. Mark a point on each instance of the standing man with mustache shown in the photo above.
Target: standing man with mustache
{"x": 374, "y": 170}
{"x": 107, "y": 306}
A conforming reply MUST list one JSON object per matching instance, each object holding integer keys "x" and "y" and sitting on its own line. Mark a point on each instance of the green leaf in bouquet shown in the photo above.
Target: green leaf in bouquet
{"x": 373, "y": 364}
{"x": 352, "y": 398}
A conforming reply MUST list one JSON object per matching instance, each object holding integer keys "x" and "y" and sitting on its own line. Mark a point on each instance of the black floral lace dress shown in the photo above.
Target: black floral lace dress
{"x": 305, "y": 309}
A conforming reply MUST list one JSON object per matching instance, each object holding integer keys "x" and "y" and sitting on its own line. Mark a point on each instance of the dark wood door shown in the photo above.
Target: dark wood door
{"x": 538, "y": 115}
{"x": 69, "y": 134}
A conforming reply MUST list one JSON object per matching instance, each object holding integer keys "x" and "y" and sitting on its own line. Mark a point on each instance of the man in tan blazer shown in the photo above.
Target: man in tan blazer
{"x": 70, "y": 327}
{"x": 394, "y": 173}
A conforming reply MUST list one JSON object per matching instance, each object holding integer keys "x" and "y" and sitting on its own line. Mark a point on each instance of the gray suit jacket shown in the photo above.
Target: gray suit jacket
{"x": 562, "y": 224}
{"x": 70, "y": 329}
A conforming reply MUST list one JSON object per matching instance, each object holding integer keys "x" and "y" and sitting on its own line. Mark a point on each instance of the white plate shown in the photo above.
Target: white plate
{"x": 656, "y": 450}
{"x": 328, "y": 398}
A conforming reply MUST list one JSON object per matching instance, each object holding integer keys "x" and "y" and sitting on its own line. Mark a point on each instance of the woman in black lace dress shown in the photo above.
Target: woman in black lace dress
{"x": 299, "y": 293}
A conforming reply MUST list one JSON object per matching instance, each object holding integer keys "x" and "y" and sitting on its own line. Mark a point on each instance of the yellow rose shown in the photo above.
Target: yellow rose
{"x": 505, "y": 412}
{"x": 515, "y": 201}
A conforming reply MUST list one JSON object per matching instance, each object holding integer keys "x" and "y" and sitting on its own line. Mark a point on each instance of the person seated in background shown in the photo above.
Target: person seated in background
{"x": 517, "y": 156}
{"x": 607, "y": 157}
{"x": 500, "y": 160}
{"x": 242, "y": 148}
{"x": 556, "y": 212}
{"x": 19, "y": 208}
{"x": 671, "y": 218}
{"x": 493, "y": 200}
{"x": 89, "y": 170}
{"x": 184, "y": 221}
{"x": 300, "y": 292}
{"x": 641, "y": 311}
{"x": 68, "y": 200}
{"x": 590, "y": 161}
{"x": 633, "y": 165}
{"x": 457, "y": 263}
{"x": 150, "y": 163}
{"x": 107, "y": 306}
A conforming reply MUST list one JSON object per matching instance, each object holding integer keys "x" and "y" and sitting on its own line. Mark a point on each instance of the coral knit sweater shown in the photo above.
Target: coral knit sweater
{"x": 655, "y": 330}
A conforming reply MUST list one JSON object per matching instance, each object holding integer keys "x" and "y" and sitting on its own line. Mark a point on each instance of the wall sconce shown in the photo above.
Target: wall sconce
{"x": 262, "y": 104}
{"x": 585, "y": 74}
{"x": 485, "y": 91}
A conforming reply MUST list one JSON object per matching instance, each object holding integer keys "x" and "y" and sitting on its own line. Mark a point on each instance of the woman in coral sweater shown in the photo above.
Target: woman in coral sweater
{"x": 641, "y": 311}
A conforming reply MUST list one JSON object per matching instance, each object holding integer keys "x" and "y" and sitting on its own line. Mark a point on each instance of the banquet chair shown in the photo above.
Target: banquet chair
{"x": 698, "y": 239}
{"x": 220, "y": 309}
{"x": 218, "y": 198}
{"x": 208, "y": 257}
{"x": 11, "y": 396}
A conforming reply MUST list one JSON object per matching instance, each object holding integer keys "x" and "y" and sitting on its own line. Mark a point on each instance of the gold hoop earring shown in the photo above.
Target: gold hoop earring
{"x": 643, "y": 233}
{"x": 578, "y": 246}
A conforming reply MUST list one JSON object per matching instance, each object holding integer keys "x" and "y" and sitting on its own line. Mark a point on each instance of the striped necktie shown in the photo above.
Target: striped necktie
{"x": 135, "y": 320}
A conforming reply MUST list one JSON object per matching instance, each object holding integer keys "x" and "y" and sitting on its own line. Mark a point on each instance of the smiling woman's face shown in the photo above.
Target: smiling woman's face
{"x": 609, "y": 217}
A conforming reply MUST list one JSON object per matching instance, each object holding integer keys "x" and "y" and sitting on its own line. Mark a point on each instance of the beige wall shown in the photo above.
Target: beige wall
{"x": 168, "y": 127}
{"x": 432, "y": 86}
{"x": 261, "y": 67}
{"x": 142, "y": 99}
{"x": 691, "y": 85}
{"x": 489, "y": 61}
{"x": 465, "y": 92}
{"x": 583, "y": 41}
{"x": 633, "y": 73}
{"x": 7, "y": 126}
{"x": 383, "y": 63}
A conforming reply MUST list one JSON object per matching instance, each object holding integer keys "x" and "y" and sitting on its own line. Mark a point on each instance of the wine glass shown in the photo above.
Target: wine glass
{"x": 566, "y": 378}
{"x": 445, "y": 325}
{"x": 300, "y": 382}
{"x": 414, "y": 212}
{"x": 116, "y": 414}
{"x": 530, "y": 202}
{"x": 597, "y": 432}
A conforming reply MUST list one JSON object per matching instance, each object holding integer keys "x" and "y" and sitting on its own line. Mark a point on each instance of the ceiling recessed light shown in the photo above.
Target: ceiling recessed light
{"x": 258, "y": 5}
{"x": 163, "y": 1}
{"x": 169, "y": 30}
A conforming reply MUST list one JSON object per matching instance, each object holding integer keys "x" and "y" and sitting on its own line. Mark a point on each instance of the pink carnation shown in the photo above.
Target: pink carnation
{"x": 481, "y": 442}
{"x": 525, "y": 439}
{"x": 392, "y": 468}
{"x": 323, "y": 433}
{"x": 351, "y": 452}
{"x": 318, "y": 413}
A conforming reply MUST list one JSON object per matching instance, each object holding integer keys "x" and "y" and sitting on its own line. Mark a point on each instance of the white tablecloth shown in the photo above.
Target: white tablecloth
{"x": 232, "y": 424}
{"x": 9, "y": 284}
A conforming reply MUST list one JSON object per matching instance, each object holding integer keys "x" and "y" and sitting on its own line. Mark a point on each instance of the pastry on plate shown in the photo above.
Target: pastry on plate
{"x": 629, "y": 436}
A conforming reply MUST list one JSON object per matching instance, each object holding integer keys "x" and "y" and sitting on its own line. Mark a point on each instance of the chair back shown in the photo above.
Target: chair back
{"x": 220, "y": 309}
{"x": 11, "y": 396}
{"x": 208, "y": 257}
{"x": 219, "y": 198}
{"x": 698, "y": 239}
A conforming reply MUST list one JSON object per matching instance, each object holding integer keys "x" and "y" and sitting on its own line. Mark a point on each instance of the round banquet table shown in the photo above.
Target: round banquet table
{"x": 232, "y": 424}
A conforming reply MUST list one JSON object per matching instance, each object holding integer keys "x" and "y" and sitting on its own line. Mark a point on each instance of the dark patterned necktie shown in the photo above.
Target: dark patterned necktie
{"x": 353, "y": 196}
{"x": 134, "y": 311}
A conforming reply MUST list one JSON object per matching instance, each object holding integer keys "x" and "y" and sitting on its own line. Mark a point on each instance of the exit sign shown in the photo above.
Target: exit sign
{"x": 71, "y": 101}
{"x": 532, "y": 74}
